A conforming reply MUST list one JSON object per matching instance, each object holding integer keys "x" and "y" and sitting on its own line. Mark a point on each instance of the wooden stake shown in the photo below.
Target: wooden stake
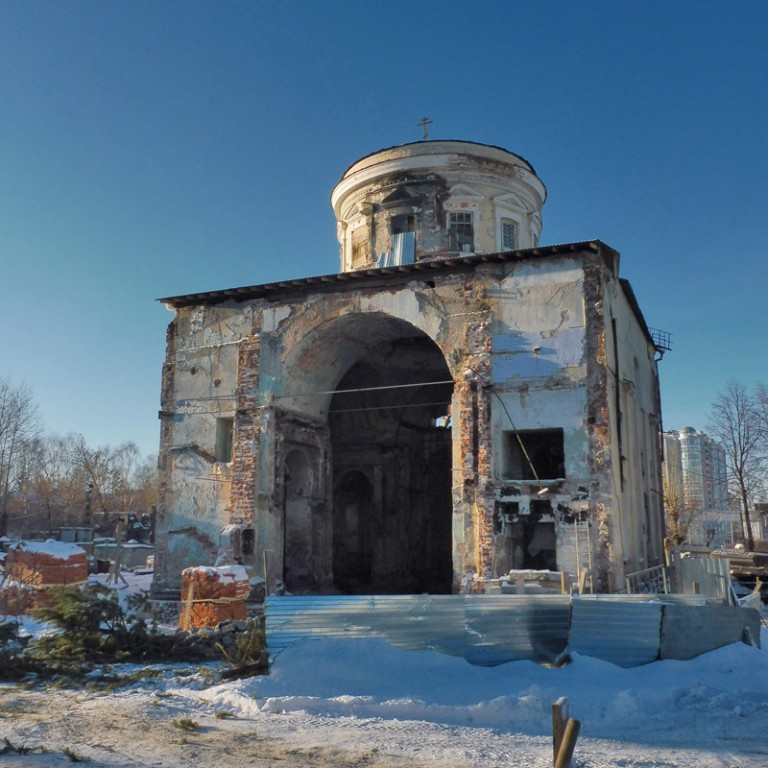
{"x": 583, "y": 580}
{"x": 572, "y": 729}
{"x": 559, "y": 719}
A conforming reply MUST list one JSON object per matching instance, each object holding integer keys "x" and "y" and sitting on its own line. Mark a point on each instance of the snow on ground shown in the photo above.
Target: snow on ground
{"x": 334, "y": 702}
{"x": 345, "y": 703}
{"x": 717, "y": 703}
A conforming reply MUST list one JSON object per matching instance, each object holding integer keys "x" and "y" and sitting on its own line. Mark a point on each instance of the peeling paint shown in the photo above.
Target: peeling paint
{"x": 378, "y": 420}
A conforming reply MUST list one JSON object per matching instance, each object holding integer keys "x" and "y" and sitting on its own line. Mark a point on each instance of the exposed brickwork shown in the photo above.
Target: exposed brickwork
{"x": 486, "y": 485}
{"x": 242, "y": 500}
{"x": 599, "y": 428}
{"x": 40, "y": 569}
{"x": 531, "y": 330}
{"x": 212, "y": 595}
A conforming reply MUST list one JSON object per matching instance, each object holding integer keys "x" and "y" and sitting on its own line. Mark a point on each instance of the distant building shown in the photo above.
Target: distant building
{"x": 696, "y": 463}
{"x": 695, "y": 474}
{"x": 456, "y": 402}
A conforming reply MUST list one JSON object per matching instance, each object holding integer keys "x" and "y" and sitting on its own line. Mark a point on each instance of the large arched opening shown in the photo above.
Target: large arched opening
{"x": 383, "y": 389}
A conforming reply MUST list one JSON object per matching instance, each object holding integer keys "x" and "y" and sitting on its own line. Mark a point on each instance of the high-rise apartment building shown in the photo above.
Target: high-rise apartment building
{"x": 695, "y": 478}
{"x": 697, "y": 462}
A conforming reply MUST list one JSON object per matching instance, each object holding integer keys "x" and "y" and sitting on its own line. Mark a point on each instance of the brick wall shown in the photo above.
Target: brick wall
{"x": 242, "y": 499}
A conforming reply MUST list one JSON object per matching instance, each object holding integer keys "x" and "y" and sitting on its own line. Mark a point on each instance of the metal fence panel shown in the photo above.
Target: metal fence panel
{"x": 689, "y": 630}
{"x": 624, "y": 632}
{"x": 650, "y": 581}
{"x": 503, "y": 628}
{"x": 484, "y": 629}
{"x": 709, "y": 575}
{"x": 627, "y": 630}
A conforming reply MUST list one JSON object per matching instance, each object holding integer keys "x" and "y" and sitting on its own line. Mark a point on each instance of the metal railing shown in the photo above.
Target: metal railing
{"x": 709, "y": 576}
{"x": 650, "y": 581}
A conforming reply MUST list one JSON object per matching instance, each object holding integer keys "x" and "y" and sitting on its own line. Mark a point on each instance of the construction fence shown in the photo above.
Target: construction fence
{"x": 627, "y": 630}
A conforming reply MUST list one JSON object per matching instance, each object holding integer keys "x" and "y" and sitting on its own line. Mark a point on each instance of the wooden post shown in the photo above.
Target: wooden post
{"x": 572, "y": 728}
{"x": 559, "y": 719}
{"x": 186, "y": 616}
{"x": 583, "y": 580}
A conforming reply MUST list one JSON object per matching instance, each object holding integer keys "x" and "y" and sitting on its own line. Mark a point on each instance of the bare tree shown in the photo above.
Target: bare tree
{"x": 124, "y": 462}
{"x": 145, "y": 485}
{"x": 735, "y": 423}
{"x": 55, "y": 482}
{"x": 115, "y": 481}
{"x": 682, "y": 513}
{"x": 47, "y": 481}
{"x": 19, "y": 423}
{"x": 23, "y": 510}
{"x": 93, "y": 465}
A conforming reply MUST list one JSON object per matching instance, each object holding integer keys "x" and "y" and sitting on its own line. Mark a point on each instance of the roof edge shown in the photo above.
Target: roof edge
{"x": 439, "y": 141}
{"x": 265, "y": 290}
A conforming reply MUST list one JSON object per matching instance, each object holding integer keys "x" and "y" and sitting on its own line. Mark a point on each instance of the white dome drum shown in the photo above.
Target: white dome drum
{"x": 435, "y": 199}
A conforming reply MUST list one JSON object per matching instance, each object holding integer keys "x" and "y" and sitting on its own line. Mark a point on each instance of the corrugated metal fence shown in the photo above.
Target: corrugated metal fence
{"x": 708, "y": 576}
{"x": 485, "y": 629}
{"x": 627, "y": 630}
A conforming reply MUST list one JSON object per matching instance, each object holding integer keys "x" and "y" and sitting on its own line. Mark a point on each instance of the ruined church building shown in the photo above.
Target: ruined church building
{"x": 458, "y": 401}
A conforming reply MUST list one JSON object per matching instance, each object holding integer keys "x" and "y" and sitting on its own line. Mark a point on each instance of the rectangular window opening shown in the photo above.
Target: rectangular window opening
{"x": 402, "y": 223}
{"x": 504, "y": 514}
{"x": 508, "y": 235}
{"x": 225, "y": 431}
{"x": 530, "y": 539}
{"x": 460, "y": 232}
{"x": 535, "y": 546}
{"x": 533, "y": 454}
{"x": 248, "y": 542}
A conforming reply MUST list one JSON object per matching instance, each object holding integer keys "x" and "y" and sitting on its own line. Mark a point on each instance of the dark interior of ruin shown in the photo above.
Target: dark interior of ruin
{"x": 528, "y": 539}
{"x": 391, "y": 446}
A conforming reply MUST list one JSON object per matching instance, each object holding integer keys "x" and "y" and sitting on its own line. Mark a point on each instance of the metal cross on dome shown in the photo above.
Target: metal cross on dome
{"x": 423, "y": 123}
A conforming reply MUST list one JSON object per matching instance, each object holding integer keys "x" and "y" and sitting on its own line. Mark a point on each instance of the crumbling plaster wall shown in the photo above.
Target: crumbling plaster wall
{"x": 539, "y": 381}
{"x": 431, "y": 198}
{"x": 554, "y": 365}
{"x": 512, "y": 334}
{"x": 525, "y": 341}
{"x": 633, "y": 388}
{"x": 264, "y": 362}
{"x": 313, "y": 345}
{"x": 427, "y": 181}
{"x": 623, "y": 415}
{"x": 199, "y": 387}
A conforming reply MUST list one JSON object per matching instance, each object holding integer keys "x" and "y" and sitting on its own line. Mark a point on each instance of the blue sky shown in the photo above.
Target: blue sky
{"x": 150, "y": 149}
